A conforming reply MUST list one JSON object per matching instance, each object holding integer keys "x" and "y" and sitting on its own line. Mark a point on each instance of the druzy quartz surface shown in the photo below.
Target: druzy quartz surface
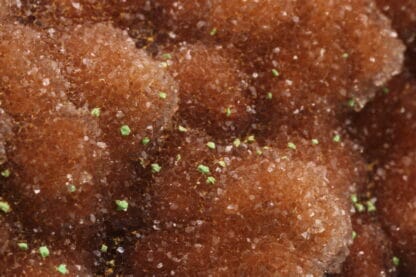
{"x": 207, "y": 138}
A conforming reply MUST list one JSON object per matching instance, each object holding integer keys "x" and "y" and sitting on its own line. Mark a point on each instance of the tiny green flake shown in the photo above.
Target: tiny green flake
{"x": 203, "y": 169}
{"x": 178, "y": 157}
{"x": 23, "y": 246}
{"x": 396, "y": 261}
{"x": 291, "y": 145}
{"x": 237, "y": 142}
{"x": 211, "y": 145}
{"x": 167, "y": 56}
{"x": 354, "y": 235}
{"x": 145, "y": 140}
{"x": 213, "y": 32}
{"x": 125, "y": 130}
{"x": 275, "y": 72}
{"x": 162, "y": 95}
{"x": 228, "y": 111}
{"x": 156, "y": 168}
{"x": 104, "y": 248}
{"x": 6, "y": 173}
{"x": 370, "y": 206}
{"x": 96, "y": 112}
{"x": 386, "y": 90}
{"x": 354, "y": 198}
{"x": 182, "y": 129}
{"x": 62, "y": 269}
{"x": 259, "y": 152}
{"x": 336, "y": 138}
{"x": 351, "y": 103}
{"x": 359, "y": 207}
{"x": 251, "y": 139}
{"x": 315, "y": 141}
{"x": 4, "y": 207}
{"x": 122, "y": 205}
{"x": 222, "y": 163}
{"x": 211, "y": 180}
{"x": 44, "y": 251}
{"x": 72, "y": 188}
{"x": 345, "y": 56}
{"x": 269, "y": 96}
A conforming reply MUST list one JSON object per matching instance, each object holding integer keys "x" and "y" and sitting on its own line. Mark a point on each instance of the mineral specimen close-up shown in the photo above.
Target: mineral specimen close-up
{"x": 208, "y": 138}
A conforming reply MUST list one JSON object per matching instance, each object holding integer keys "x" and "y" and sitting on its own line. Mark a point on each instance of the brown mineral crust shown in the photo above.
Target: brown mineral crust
{"x": 5, "y": 9}
{"x": 30, "y": 263}
{"x": 371, "y": 253}
{"x": 55, "y": 146}
{"x": 322, "y": 142}
{"x": 227, "y": 20}
{"x": 377, "y": 53}
{"x": 284, "y": 187}
{"x": 273, "y": 259}
{"x": 21, "y": 250}
{"x": 208, "y": 252}
{"x": 184, "y": 20}
{"x": 342, "y": 48}
{"x": 31, "y": 84}
{"x": 108, "y": 72}
{"x": 58, "y": 165}
{"x": 259, "y": 22}
{"x": 331, "y": 26}
{"x": 403, "y": 15}
{"x": 132, "y": 15}
{"x": 11, "y": 234}
{"x": 276, "y": 203}
{"x": 132, "y": 91}
{"x": 395, "y": 194}
{"x": 213, "y": 90}
{"x": 6, "y": 133}
{"x": 255, "y": 199}
{"x": 168, "y": 195}
{"x": 388, "y": 126}
{"x": 49, "y": 13}
{"x": 8, "y": 236}
{"x": 4, "y": 236}
{"x": 339, "y": 62}
{"x": 387, "y": 120}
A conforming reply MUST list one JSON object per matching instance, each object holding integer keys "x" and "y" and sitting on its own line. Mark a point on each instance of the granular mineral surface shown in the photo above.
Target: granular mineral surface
{"x": 207, "y": 138}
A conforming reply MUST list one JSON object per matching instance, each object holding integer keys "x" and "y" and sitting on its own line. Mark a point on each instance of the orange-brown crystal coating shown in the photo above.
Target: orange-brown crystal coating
{"x": 4, "y": 235}
{"x": 403, "y": 16}
{"x": 6, "y": 133}
{"x": 135, "y": 95}
{"x": 370, "y": 253}
{"x": 66, "y": 12}
{"x": 32, "y": 84}
{"x": 388, "y": 127}
{"x": 56, "y": 158}
{"x": 108, "y": 72}
{"x": 210, "y": 225}
{"x": 213, "y": 90}
{"x": 60, "y": 170}
{"x": 322, "y": 53}
{"x": 322, "y": 141}
{"x": 30, "y": 263}
{"x": 281, "y": 76}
